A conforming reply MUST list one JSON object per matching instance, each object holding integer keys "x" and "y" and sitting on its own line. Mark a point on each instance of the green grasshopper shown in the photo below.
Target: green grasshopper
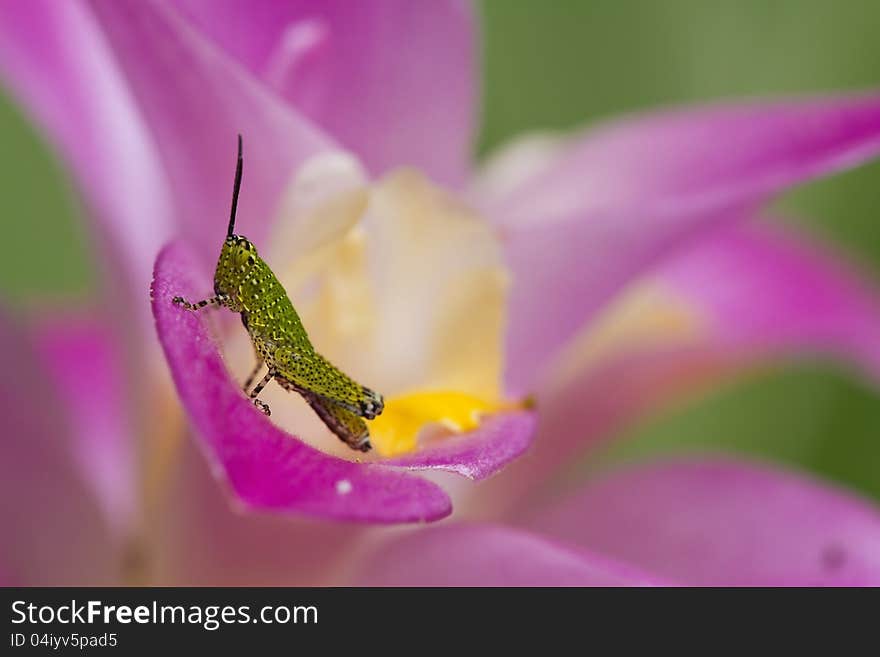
{"x": 245, "y": 284}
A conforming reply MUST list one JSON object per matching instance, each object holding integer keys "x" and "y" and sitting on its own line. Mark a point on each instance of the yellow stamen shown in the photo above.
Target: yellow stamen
{"x": 397, "y": 430}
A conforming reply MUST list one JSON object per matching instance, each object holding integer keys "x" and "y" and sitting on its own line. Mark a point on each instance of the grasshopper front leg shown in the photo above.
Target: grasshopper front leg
{"x": 219, "y": 300}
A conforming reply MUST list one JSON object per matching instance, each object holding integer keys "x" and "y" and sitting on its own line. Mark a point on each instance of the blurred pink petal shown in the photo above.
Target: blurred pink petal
{"x": 59, "y": 66}
{"x": 266, "y": 468}
{"x": 195, "y": 99}
{"x": 83, "y": 362}
{"x": 480, "y": 453}
{"x": 724, "y": 523}
{"x": 609, "y": 204}
{"x": 704, "y": 159}
{"x": 484, "y": 555}
{"x": 394, "y": 81}
{"x": 767, "y": 289}
{"x": 207, "y": 542}
{"x": 53, "y": 530}
{"x": 757, "y": 292}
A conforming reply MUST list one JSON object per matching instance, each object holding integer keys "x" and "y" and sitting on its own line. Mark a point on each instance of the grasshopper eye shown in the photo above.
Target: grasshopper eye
{"x": 243, "y": 253}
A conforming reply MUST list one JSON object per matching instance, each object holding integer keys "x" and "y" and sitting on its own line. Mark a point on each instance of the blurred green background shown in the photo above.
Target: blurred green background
{"x": 562, "y": 64}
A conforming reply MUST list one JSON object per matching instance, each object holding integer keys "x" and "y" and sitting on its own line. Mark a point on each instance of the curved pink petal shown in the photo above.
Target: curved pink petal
{"x": 195, "y": 99}
{"x": 207, "y": 542}
{"x": 610, "y": 203}
{"x": 764, "y": 288}
{"x": 394, "y": 81}
{"x": 564, "y": 272}
{"x": 751, "y": 292}
{"x": 725, "y": 523}
{"x": 480, "y": 453}
{"x": 53, "y": 530}
{"x": 57, "y": 62}
{"x": 82, "y": 359}
{"x": 265, "y": 467}
{"x": 701, "y": 159}
{"x": 485, "y": 555}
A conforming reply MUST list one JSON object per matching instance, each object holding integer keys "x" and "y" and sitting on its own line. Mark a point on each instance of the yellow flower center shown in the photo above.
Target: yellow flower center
{"x": 405, "y": 417}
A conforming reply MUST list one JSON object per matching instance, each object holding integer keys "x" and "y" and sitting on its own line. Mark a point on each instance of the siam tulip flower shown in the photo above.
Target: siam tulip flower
{"x": 539, "y": 303}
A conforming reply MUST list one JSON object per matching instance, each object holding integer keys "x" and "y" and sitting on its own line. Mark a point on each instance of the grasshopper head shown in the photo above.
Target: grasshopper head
{"x": 237, "y": 257}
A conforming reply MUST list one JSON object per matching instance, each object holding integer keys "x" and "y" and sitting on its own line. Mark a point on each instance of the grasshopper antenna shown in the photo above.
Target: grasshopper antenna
{"x": 236, "y": 187}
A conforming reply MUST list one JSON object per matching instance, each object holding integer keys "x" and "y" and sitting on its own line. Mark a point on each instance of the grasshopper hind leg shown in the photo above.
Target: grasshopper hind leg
{"x": 348, "y": 426}
{"x": 311, "y": 372}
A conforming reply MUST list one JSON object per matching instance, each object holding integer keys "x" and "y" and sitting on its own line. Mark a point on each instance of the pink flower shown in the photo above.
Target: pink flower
{"x": 601, "y": 274}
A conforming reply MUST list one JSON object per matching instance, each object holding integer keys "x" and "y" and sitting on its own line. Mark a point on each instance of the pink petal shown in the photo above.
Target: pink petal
{"x": 725, "y": 523}
{"x": 756, "y": 292}
{"x": 700, "y": 160}
{"x": 207, "y": 542}
{"x": 483, "y": 555}
{"x": 616, "y": 199}
{"x": 53, "y": 529}
{"x": 769, "y": 289}
{"x": 562, "y": 275}
{"x": 480, "y": 453}
{"x": 57, "y": 62}
{"x": 395, "y": 82}
{"x": 82, "y": 359}
{"x": 265, "y": 467}
{"x": 195, "y": 99}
